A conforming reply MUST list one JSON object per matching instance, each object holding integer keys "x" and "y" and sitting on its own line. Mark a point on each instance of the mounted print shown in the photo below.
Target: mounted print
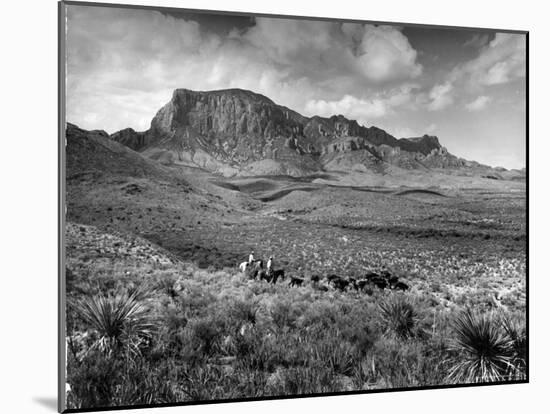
{"x": 257, "y": 206}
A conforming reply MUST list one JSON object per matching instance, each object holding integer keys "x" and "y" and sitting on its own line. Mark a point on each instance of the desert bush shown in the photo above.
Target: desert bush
{"x": 201, "y": 383}
{"x": 205, "y": 334}
{"x": 243, "y": 311}
{"x": 484, "y": 351}
{"x": 166, "y": 286}
{"x": 336, "y": 354}
{"x": 302, "y": 380}
{"x": 398, "y": 317}
{"x": 284, "y": 314}
{"x": 92, "y": 380}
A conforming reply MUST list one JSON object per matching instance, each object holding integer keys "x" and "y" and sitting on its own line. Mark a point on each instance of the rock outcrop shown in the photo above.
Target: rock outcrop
{"x": 237, "y": 131}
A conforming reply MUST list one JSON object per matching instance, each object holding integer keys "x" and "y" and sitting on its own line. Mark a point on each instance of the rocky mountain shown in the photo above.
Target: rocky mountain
{"x": 236, "y": 131}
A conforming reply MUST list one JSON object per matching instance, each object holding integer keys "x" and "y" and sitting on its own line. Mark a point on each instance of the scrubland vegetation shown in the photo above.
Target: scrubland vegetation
{"x": 161, "y": 332}
{"x": 159, "y": 313}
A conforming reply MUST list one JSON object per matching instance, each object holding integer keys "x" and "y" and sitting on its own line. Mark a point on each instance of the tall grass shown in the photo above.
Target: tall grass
{"x": 223, "y": 337}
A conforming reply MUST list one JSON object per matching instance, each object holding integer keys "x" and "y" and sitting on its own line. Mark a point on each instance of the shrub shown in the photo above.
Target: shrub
{"x": 205, "y": 333}
{"x": 485, "y": 352}
{"x": 398, "y": 316}
{"x": 92, "y": 381}
{"x": 284, "y": 314}
{"x": 244, "y": 312}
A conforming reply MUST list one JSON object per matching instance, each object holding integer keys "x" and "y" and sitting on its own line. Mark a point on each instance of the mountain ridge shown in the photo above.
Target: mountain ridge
{"x": 240, "y": 132}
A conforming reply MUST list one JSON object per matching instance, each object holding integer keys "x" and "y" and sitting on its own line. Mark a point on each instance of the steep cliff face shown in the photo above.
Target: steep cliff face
{"x": 234, "y": 130}
{"x": 231, "y": 112}
{"x": 132, "y": 139}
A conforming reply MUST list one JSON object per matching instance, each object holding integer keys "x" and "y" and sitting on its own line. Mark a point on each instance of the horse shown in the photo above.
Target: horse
{"x": 252, "y": 270}
{"x": 243, "y": 266}
{"x": 279, "y": 273}
{"x": 262, "y": 275}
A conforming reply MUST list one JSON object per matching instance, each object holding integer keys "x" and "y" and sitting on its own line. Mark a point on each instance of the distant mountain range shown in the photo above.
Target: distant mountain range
{"x": 239, "y": 132}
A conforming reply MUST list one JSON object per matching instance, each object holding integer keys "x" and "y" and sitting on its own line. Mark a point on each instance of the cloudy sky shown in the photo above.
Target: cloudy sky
{"x": 465, "y": 86}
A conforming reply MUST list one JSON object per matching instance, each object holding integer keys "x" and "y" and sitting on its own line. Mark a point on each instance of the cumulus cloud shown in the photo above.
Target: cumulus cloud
{"x": 363, "y": 110}
{"x": 501, "y": 61}
{"x": 128, "y": 61}
{"x": 384, "y": 53}
{"x": 360, "y": 109}
{"x": 440, "y": 97}
{"x": 123, "y": 64}
{"x": 478, "y": 104}
{"x": 477, "y": 40}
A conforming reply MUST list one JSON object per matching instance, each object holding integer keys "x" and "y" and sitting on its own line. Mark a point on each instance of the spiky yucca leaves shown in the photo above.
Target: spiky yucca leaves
{"x": 120, "y": 321}
{"x": 485, "y": 352}
{"x": 398, "y": 316}
{"x": 517, "y": 336}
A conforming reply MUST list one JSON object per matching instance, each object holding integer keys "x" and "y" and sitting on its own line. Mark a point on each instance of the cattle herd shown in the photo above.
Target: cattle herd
{"x": 380, "y": 280}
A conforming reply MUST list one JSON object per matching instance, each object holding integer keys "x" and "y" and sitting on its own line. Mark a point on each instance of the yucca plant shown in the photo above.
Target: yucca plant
{"x": 121, "y": 321}
{"x": 399, "y": 318}
{"x": 485, "y": 352}
{"x": 517, "y": 336}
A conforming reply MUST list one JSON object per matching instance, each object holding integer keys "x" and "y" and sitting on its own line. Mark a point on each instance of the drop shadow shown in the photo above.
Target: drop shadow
{"x": 48, "y": 402}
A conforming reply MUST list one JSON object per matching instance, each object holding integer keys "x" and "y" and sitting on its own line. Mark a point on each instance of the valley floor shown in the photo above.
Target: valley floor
{"x": 214, "y": 334}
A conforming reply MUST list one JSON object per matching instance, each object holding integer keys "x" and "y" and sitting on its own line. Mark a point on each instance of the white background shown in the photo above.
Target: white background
{"x": 28, "y": 163}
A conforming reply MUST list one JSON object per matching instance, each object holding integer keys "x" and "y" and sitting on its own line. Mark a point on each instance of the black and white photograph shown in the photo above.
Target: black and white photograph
{"x": 262, "y": 206}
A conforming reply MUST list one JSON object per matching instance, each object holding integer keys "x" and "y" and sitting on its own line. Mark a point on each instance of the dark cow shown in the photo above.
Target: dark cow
{"x": 371, "y": 276}
{"x": 385, "y": 274}
{"x": 296, "y": 281}
{"x": 361, "y": 284}
{"x": 315, "y": 279}
{"x": 400, "y": 286}
{"x": 380, "y": 283}
{"x": 331, "y": 278}
{"x": 340, "y": 284}
{"x": 393, "y": 280}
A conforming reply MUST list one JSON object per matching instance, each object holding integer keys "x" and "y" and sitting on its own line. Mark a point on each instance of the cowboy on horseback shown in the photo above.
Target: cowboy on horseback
{"x": 270, "y": 266}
